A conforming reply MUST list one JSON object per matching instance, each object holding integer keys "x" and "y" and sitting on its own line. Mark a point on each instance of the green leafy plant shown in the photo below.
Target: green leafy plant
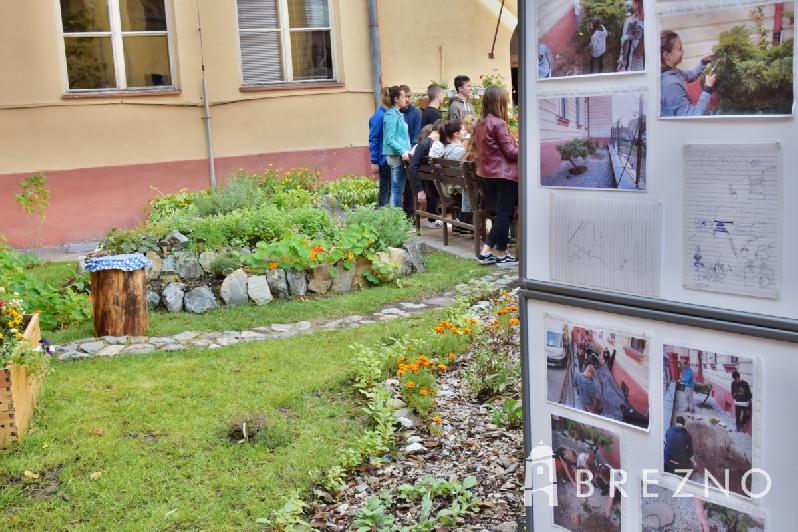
{"x": 390, "y": 223}
{"x": 289, "y": 517}
{"x": 351, "y": 191}
{"x": 240, "y": 191}
{"x": 429, "y": 488}
{"x": 168, "y": 204}
{"x": 510, "y": 414}
{"x": 373, "y": 515}
{"x": 34, "y": 198}
{"x": 141, "y": 239}
{"x": 576, "y": 149}
{"x": 223, "y": 263}
{"x": 14, "y": 347}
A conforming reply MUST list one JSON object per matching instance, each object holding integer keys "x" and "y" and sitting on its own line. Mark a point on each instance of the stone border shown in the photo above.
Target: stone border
{"x": 111, "y": 346}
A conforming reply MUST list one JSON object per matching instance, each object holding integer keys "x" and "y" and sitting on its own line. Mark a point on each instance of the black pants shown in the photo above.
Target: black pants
{"x": 502, "y": 197}
{"x": 432, "y": 196}
{"x": 741, "y": 416}
{"x": 384, "y": 197}
{"x": 597, "y": 61}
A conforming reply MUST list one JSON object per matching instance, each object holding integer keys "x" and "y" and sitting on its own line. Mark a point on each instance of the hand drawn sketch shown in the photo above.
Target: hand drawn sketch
{"x": 732, "y": 218}
{"x": 606, "y": 243}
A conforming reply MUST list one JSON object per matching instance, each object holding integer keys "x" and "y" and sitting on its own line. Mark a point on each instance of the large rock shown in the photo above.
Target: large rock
{"x": 382, "y": 261}
{"x": 234, "y": 288}
{"x": 320, "y": 279}
{"x": 173, "y": 297}
{"x": 363, "y": 265}
{"x": 154, "y": 270}
{"x": 342, "y": 282}
{"x": 413, "y": 248}
{"x": 400, "y": 256}
{"x": 277, "y": 283}
{"x": 168, "y": 264}
{"x": 205, "y": 260}
{"x": 200, "y": 300}
{"x": 297, "y": 283}
{"x": 187, "y": 266}
{"x": 258, "y": 289}
{"x": 176, "y": 240}
{"x": 153, "y": 300}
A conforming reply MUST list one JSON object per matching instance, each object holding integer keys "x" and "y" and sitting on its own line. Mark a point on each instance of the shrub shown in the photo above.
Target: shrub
{"x": 243, "y": 227}
{"x": 239, "y": 192}
{"x": 140, "y": 239}
{"x": 390, "y": 223}
{"x": 167, "y": 205}
{"x": 223, "y": 263}
{"x": 576, "y": 149}
{"x": 309, "y": 220}
{"x": 273, "y": 181}
{"x": 351, "y": 191}
{"x": 292, "y": 198}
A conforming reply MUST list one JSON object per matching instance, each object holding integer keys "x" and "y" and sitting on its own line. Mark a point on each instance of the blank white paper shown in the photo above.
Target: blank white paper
{"x": 612, "y": 244}
{"x": 732, "y": 218}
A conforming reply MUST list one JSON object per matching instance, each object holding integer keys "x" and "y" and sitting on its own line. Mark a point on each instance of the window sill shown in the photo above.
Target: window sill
{"x": 563, "y": 121}
{"x": 120, "y": 94}
{"x": 292, "y": 86}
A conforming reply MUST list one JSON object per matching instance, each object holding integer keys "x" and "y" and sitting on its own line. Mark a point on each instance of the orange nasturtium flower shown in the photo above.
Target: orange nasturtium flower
{"x": 312, "y": 255}
{"x": 410, "y": 384}
{"x": 273, "y": 265}
{"x": 514, "y": 321}
{"x": 350, "y": 256}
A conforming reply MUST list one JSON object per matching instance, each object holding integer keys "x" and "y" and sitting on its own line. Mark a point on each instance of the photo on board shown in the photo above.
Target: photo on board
{"x": 732, "y": 61}
{"x": 708, "y": 413}
{"x": 598, "y": 371}
{"x": 661, "y": 510}
{"x": 584, "y": 37}
{"x": 591, "y": 453}
{"x": 594, "y": 142}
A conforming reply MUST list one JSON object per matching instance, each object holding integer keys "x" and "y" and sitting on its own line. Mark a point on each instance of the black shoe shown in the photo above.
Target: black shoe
{"x": 507, "y": 259}
{"x": 486, "y": 259}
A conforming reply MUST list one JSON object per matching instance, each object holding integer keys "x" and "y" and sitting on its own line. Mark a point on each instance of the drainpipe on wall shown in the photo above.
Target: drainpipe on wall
{"x": 376, "y": 62}
{"x": 206, "y": 106}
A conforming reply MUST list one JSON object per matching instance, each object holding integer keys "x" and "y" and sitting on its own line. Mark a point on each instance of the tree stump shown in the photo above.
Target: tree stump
{"x": 119, "y": 299}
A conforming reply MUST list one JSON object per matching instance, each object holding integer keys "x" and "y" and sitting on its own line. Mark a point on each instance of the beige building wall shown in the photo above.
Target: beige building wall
{"x": 600, "y": 116}
{"x": 554, "y": 128}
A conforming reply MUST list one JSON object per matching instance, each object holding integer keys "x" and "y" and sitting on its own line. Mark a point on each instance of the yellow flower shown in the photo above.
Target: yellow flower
{"x": 350, "y": 256}
{"x": 452, "y": 356}
{"x": 514, "y": 321}
{"x": 312, "y": 255}
{"x": 424, "y": 391}
{"x": 466, "y": 330}
{"x": 437, "y": 420}
{"x": 442, "y": 367}
{"x": 410, "y": 384}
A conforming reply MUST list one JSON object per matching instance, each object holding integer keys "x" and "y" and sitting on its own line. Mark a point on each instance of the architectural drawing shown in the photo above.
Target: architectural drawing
{"x": 732, "y": 213}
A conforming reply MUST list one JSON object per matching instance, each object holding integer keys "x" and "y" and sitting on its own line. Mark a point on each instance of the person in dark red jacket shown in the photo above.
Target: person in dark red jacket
{"x": 497, "y": 151}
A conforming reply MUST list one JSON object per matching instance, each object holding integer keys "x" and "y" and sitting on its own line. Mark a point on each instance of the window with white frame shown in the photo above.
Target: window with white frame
{"x": 285, "y": 41}
{"x": 116, "y": 44}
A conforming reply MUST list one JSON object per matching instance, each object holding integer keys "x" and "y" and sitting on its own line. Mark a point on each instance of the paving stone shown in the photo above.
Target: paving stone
{"x": 158, "y": 340}
{"x": 393, "y": 310}
{"x": 138, "y": 349}
{"x": 92, "y": 347}
{"x": 209, "y": 335}
{"x": 186, "y": 336}
{"x": 173, "y": 347}
{"x": 227, "y": 340}
{"x": 139, "y": 339}
{"x": 200, "y": 343}
{"x": 251, "y": 336}
{"x": 232, "y": 334}
{"x": 214, "y": 346}
{"x": 439, "y": 301}
{"x": 302, "y": 326}
{"x": 282, "y": 327}
{"x": 367, "y": 322}
{"x": 109, "y": 351}
{"x": 116, "y": 340}
{"x": 413, "y": 306}
{"x": 71, "y": 354}
{"x": 389, "y": 317}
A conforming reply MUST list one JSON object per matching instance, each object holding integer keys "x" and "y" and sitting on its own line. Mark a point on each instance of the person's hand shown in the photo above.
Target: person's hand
{"x": 406, "y": 156}
{"x": 707, "y": 58}
{"x": 375, "y": 169}
{"x": 711, "y": 78}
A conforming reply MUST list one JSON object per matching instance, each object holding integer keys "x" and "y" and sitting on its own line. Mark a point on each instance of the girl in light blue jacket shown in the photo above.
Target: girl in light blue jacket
{"x": 396, "y": 143}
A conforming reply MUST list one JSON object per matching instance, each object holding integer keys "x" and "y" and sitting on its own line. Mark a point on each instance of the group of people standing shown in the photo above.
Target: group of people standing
{"x": 401, "y": 135}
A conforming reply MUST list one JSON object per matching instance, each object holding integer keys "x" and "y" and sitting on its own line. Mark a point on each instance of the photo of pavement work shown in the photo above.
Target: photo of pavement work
{"x": 598, "y": 371}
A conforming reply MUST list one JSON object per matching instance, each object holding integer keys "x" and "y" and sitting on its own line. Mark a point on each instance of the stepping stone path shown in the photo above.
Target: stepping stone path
{"x": 110, "y": 346}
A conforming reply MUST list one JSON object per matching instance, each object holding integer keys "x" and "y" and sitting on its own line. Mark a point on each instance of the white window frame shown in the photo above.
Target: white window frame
{"x": 285, "y": 30}
{"x": 117, "y": 45}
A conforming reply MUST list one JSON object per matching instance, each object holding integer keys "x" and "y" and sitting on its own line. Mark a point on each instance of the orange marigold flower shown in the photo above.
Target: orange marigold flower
{"x": 472, "y": 321}
{"x": 410, "y": 384}
{"x": 512, "y": 308}
{"x": 442, "y": 367}
{"x": 273, "y": 265}
{"x": 439, "y": 329}
{"x": 455, "y": 330}
{"x": 502, "y": 312}
{"x": 318, "y": 248}
{"x": 437, "y": 420}
{"x": 514, "y": 321}
{"x": 400, "y": 373}
{"x": 466, "y": 330}
{"x": 414, "y": 368}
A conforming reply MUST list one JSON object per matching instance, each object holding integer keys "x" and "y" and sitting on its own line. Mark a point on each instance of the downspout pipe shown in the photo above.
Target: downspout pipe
{"x": 376, "y": 61}
{"x": 206, "y": 108}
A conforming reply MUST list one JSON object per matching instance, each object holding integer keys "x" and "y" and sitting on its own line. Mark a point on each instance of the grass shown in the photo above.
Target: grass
{"x": 443, "y": 272}
{"x": 56, "y": 274}
{"x": 154, "y": 425}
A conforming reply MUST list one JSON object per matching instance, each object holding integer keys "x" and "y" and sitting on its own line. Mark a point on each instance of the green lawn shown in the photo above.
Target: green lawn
{"x": 443, "y": 272}
{"x": 153, "y": 425}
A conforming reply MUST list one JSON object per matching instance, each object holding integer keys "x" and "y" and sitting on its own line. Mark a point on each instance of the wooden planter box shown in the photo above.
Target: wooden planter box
{"x": 19, "y": 391}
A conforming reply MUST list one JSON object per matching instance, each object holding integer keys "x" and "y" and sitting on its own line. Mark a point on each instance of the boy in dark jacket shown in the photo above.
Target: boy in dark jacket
{"x": 678, "y": 447}
{"x": 741, "y": 393}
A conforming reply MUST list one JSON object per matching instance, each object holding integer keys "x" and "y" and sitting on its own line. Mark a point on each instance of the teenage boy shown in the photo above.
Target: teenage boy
{"x": 741, "y": 393}
{"x": 459, "y": 107}
{"x": 412, "y": 116}
{"x": 431, "y": 113}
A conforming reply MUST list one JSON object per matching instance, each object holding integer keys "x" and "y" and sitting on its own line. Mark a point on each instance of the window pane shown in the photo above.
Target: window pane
{"x": 257, "y": 14}
{"x": 260, "y": 57}
{"x": 147, "y": 61}
{"x": 85, "y": 15}
{"x": 90, "y": 62}
{"x": 142, "y": 15}
{"x": 311, "y": 54}
{"x": 308, "y": 14}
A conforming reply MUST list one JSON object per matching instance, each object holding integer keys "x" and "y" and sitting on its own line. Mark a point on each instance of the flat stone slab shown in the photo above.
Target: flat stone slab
{"x": 109, "y": 350}
{"x": 412, "y": 306}
{"x": 92, "y": 347}
{"x": 186, "y": 336}
{"x": 138, "y": 349}
{"x": 173, "y": 347}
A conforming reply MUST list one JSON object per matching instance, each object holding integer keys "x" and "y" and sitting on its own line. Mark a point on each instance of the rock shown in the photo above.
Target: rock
{"x": 401, "y": 257}
{"x": 251, "y": 336}
{"x": 92, "y": 347}
{"x": 176, "y": 240}
{"x": 185, "y": 336}
{"x": 393, "y": 310}
{"x": 415, "y": 448}
{"x": 81, "y": 265}
{"x": 281, "y": 327}
{"x": 302, "y": 326}
{"x": 297, "y": 283}
{"x": 138, "y": 349}
{"x": 200, "y": 343}
{"x": 200, "y": 300}
{"x": 159, "y": 340}
{"x": 168, "y": 264}
{"x": 413, "y": 248}
{"x": 109, "y": 351}
{"x": 412, "y": 306}
{"x": 507, "y": 526}
{"x": 116, "y": 340}
{"x": 234, "y": 289}
{"x": 396, "y": 403}
{"x": 245, "y": 251}
{"x": 173, "y": 347}
{"x": 153, "y": 300}
{"x": 363, "y": 265}
{"x": 414, "y": 439}
{"x": 205, "y": 260}
{"x": 258, "y": 290}
{"x": 403, "y": 412}
{"x": 169, "y": 278}
{"x": 320, "y": 279}
{"x": 138, "y": 339}
{"x": 227, "y": 340}
{"x": 406, "y": 422}
{"x": 342, "y": 282}
{"x": 277, "y": 283}
{"x": 187, "y": 266}
{"x": 173, "y": 297}
{"x": 214, "y": 346}
{"x": 71, "y": 354}
{"x": 153, "y": 271}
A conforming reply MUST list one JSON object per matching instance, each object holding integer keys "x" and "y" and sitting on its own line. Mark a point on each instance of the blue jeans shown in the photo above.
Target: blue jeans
{"x": 384, "y": 197}
{"x": 398, "y": 179}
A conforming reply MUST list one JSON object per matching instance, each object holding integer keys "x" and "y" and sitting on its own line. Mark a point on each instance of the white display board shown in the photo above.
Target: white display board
{"x": 664, "y": 181}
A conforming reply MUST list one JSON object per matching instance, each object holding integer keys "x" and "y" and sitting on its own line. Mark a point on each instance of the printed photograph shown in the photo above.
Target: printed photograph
{"x": 708, "y": 414}
{"x": 598, "y": 371}
{"x": 668, "y": 513}
{"x": 594, "y": 142}
{"x": 578, "y": 446}
{"x": 584, "y": 37}
{"x": 729, "y": 61}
